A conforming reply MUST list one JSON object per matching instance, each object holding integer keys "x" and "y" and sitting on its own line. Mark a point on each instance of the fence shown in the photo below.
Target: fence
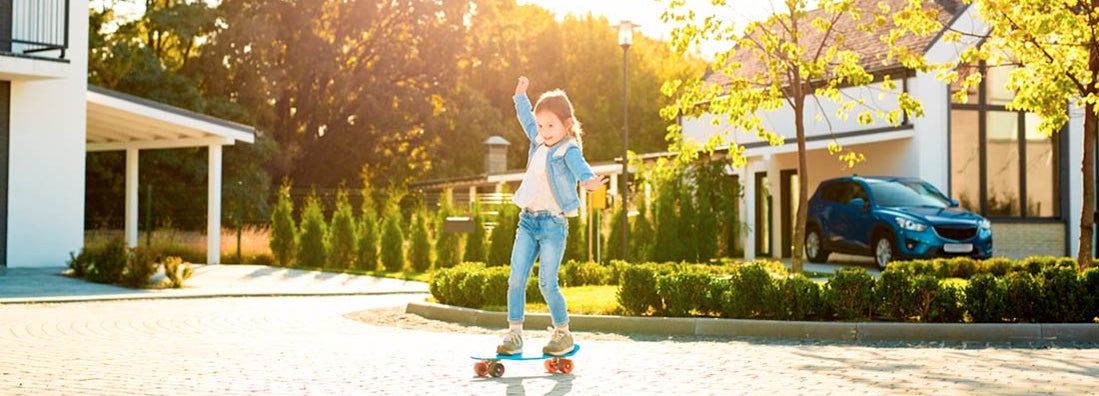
{"x": 35, "y": 26}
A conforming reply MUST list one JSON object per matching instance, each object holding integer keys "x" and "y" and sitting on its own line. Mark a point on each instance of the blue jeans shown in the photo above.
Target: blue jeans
{"x": 541, "y": 235}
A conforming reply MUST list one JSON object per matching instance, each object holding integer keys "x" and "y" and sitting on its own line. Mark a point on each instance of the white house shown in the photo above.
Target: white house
{"x": 49, "y": 119}
{"x": 992, "y": 160}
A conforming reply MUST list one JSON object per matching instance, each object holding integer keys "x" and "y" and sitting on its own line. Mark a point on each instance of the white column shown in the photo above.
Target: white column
{"x": 213, "y": 207}
{"x": 131, "y": 197}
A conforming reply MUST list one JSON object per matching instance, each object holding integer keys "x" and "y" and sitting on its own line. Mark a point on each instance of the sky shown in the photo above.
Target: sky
{"x": 647, "y": 13}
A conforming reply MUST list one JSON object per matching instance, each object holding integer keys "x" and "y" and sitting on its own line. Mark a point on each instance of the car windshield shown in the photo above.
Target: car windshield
{"x": 907, "y": 193}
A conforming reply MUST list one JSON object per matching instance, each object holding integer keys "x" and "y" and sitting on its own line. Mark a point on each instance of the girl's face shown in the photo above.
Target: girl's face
{"x": 551, "y": 128}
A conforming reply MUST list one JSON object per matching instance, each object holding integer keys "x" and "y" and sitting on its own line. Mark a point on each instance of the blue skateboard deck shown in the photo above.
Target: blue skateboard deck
{"x": 554, "y": 364}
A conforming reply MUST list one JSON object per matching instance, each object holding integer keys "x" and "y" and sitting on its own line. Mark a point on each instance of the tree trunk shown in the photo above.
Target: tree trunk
{"x": 798, "y": 242}
{"x": 1087, "y": 169}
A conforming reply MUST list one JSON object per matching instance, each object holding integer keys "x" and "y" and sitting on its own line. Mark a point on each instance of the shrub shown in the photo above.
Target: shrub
{"x": 849, "y": 293}
{"x": 998, "y": 266}
{"x": 948, "y": 306}
{"x": 1022, "y": 295}
{"x": 1063, "y": 295}
{"x": 637, "y": 290}
{"x": 503, "y": 236}
{"x": 107, "y": 262}
{"x": 141, "y": 265}
{"x": 534, "y": 291}
{"x": 894, "y": 295}
{"x": 641, "y": 235}
{"x": 798, "y": 298}
{"x": 1089, "y": 282}
{"x": 177, "y": 271}
{"x": 284, "y": 233}
{"x": 576, "y": 245}
{"x": 447, "y": 244}
{"x": 751, "y": 293}
{"x": 585, "y": 273}
{"x": 342, "y": 241}
{"x": 984, "y": 298}
{"x": 1035, "y": 264}
{"x": 392, "y": 244}
{"x": 80, "y": 264}
{"x": 683, "y": 292}
{"x": 420, "y": 245}
{"x": 959, "y": 267}
{"x": 369, "y": 236}
{"x": 926, "y": 291}
{"x": 312, "y": 251}
{"x": 470, "y": 292}
{"x": 494, "y": 290}
{"x": 475, "y": 241}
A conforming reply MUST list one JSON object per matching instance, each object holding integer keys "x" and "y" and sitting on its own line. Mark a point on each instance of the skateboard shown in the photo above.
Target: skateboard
{"x": 493, "y": 366}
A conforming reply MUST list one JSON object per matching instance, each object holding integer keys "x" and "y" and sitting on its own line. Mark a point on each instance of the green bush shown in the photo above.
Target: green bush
{"x": 369, "y": 237}
{"x": 1063, "y": 294}
{"x": 997, "y": 266}
{"x": 1022, "y": 295}
{"x": 958, "y": 267}
{"x": 984, "y": 298}
{"x": 470, "y": 292}
{"x": 1089, "y": 282}
{"x": 107, "y": 261}
{"x": 849, "y": 293}
{"x": 342, "y": 241}
{"x": 798, "y": 298}
{"x": 534, "y": 291}
{"x": 1035, "y": 264}
{"x": 312, "y": 252}
{"x": 751, "y": 293}
{"x": 392, "y": 244}
{"x": 894, "y": 295}
{"x": 503, "y": 236}
{"x": 925, "y": 293}
{"x": 576, "y": 244}
{"x": 948, "y": 306}
{"x": 420, "y": 245}
{"x": 448, "y": 251}
{"x": 177, "y": 271}
{"x": 284, "y": 232}
{"x": 475, "y": 241}
{"x": 585, "y": 273}
{"x": 494, "y": 290}
{"x": 80, "y": 264}
{"x": 141, "y": 265}
{"x": 637, "y": 292}
{"x": 683, "y": 292}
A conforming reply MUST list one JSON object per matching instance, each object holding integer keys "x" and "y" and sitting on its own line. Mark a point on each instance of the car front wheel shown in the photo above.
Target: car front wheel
{"x": 814, "y": 246}
{"x": 884, "y": 252}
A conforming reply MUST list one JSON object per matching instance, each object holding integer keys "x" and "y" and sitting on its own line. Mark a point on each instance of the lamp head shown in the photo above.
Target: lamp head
{"x": 625, "y": 33}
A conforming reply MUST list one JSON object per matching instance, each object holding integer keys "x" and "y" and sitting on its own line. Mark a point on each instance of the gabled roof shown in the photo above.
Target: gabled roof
{"x": 872, "y": 51}
{"x": 117, "y": 121}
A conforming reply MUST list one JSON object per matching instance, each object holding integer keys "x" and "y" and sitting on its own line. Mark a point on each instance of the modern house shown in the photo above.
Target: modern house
{"x": 994, "y": 161}
{"x": 49, "y": 119}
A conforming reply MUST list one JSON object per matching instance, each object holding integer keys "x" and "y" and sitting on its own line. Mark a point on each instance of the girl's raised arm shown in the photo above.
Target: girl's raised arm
{"x": 524, "y": 110}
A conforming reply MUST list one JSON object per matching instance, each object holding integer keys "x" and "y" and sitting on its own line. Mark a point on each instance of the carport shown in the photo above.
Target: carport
{"x": 121, "y": 122}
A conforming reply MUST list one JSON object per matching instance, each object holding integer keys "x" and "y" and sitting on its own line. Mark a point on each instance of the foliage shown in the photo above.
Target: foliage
{"x": 984, "y": 296}
{"x": 312, "y": 251}
{"x": 641, "y": 235}
{"x": 849, "y": 294}
{"x": 420, "y": 243}
{"x": 503, "y": 235}
{"x": 284, "y": 232}
{"x": 683, "y": 291}
{"x": 107, "y": 261}
{"x": 638, "y": 293}
{"x": 369, "y": 231}
{"x": 177, "y": 271}
{"x": 576, "y": 244}
{"x": 448, "y": 251}
{"x": 141, "y": 265}
{"x": 342, "y": 241}
{"x": 583, "y": 273}
{"x": 751, "y": 293}
{"x": 1022, "y": 297}
{"x": 392, "y": 243}
{"x": 1063, "y": 296}
{"x": 798, "y": 298}
{"x": 475, "y": 241}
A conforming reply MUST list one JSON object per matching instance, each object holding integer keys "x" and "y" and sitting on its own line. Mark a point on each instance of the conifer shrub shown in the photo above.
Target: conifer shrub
{"x": 503, "y": 236}
{"x": 342, "y": 241}
{"x": 392, "y": 243}
{"x": 419, "y": 255}
{"x": 448, "y": 252}
{"x": 284, "y": 232}
{"x": 369, "y": 230}
{"x": 475, "y": 241}
{"x": 312, "y": 252}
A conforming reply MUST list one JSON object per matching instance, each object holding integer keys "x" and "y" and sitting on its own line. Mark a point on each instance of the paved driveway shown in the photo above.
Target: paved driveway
{"x": 305, "y": 345}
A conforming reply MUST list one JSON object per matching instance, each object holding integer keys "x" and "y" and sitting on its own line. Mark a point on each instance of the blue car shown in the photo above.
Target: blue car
{"x": 891, "y": 218}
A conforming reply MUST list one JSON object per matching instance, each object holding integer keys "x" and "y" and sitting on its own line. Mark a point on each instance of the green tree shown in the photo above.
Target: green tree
{"x": 313, "y": 251}
{"x": 420, "y": 242}
{"x": 1056, "y": 49}
{"x": 284, "y": 232}
{"x": 392, "y": 248}
{"x": 616, "y": 251}
{"x": 342, "y": 241}
{"x": 793, "y": 55}
{"x": 503, "y": 235}
{"x": 576, "y": 245}
{"x": 448, "y": 251}
{"x": 369, "y": 232}
{"x": 475, "y": 241}
{"x": 666, "y": 246}
{"x": 641, "y": 235}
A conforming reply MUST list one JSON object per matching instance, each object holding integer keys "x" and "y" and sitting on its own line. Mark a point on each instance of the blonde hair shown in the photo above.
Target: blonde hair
{"x": 558, "y": 103}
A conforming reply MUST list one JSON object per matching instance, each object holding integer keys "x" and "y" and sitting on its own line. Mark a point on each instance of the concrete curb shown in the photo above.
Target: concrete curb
{"x": 841, "y": 331}
{"x": 124, "y": 297}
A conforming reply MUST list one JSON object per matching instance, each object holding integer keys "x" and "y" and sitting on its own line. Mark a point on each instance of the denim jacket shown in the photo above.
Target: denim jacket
{"x": 566, "y": 169}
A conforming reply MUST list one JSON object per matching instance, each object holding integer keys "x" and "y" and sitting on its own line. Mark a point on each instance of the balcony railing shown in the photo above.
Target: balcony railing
{"x": 34, "y": 27}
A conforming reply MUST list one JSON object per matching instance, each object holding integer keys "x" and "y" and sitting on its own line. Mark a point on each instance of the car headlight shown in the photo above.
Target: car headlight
{"x": 985, "y": 224}
{"x": 911, "y": 225}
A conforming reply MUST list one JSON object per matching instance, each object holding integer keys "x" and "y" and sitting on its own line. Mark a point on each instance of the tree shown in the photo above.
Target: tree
{"x": 342, "y": 241}
{"x": 448, "y": 251}
{"x": 475, "y": 241}
{"x": 284, "y": 232}
{"x": 1056, "y": 48}
{"x": 369, "y": 232}
{"x": 420, "y": 243}
{"x": 793, "y": 55}
{"x": 313, "y": 252}
{"x": 392, "y": 249}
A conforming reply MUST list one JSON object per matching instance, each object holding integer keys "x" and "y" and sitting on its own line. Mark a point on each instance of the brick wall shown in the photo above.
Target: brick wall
{"x": 1019, "y": 240}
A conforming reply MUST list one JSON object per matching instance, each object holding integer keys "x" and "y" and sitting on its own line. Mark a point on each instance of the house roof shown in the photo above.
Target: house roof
{"x": 117, "y": 121}
{"x": 872, "y": 52}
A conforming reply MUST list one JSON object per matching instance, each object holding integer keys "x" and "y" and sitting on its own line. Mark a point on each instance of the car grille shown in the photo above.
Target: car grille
{"x": 956, "y": 233}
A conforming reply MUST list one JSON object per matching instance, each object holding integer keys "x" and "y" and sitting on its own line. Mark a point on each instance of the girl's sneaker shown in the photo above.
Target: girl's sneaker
{"x": 512, "y": 344}
{"x": 560, "y": 343}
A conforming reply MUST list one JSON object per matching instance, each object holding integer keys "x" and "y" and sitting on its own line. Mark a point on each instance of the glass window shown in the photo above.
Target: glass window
{"x": 996, "y": 86}
{"x": 964, "y": 71}
{"x": 1002, "y": 146}
{"x": 965, "y": 158}
{"x": 1042, "y": 171}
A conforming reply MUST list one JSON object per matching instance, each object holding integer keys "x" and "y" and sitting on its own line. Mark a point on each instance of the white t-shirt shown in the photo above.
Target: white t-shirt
{"x": 534, "y": 192}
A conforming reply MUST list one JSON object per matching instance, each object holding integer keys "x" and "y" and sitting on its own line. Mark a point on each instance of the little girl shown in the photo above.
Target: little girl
{"x": 547, "y": 195}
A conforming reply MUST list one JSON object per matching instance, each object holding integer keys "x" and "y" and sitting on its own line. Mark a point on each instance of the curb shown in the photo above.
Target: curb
{"x": 125, "y": 297}
{"x": 777, "y": 329}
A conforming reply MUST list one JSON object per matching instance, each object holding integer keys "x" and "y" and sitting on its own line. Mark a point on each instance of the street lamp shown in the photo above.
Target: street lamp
{"x": 625, "y": 39}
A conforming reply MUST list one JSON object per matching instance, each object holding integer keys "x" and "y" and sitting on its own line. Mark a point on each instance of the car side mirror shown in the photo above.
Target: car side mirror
{"x": 954, "y": 203}
{"x": 857, "y": 202}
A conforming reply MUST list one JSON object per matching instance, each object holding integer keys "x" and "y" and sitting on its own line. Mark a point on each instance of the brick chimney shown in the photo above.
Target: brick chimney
{"x": 497, "y": 159}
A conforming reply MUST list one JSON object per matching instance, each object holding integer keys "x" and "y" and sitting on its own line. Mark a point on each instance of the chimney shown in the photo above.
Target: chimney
{"x": 497, "y": 159}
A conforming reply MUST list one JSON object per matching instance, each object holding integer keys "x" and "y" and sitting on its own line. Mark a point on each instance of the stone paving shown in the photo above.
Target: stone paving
{"x": 307, "y": 345}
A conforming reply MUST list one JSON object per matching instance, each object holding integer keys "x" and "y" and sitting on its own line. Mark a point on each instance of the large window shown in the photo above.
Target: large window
{"x": 1000, "y": 164}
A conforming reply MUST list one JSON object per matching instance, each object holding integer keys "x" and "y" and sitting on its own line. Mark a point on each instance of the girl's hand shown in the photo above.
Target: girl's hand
{"x": 521, "y": 87}
{"x": 594, "y": 183}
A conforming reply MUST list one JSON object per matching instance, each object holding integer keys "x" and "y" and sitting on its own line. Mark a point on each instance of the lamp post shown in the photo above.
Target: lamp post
{"x": 625, "y": 39}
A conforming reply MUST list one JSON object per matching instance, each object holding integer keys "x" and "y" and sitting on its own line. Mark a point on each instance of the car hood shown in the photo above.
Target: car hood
{"x": 938, "y": 216}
